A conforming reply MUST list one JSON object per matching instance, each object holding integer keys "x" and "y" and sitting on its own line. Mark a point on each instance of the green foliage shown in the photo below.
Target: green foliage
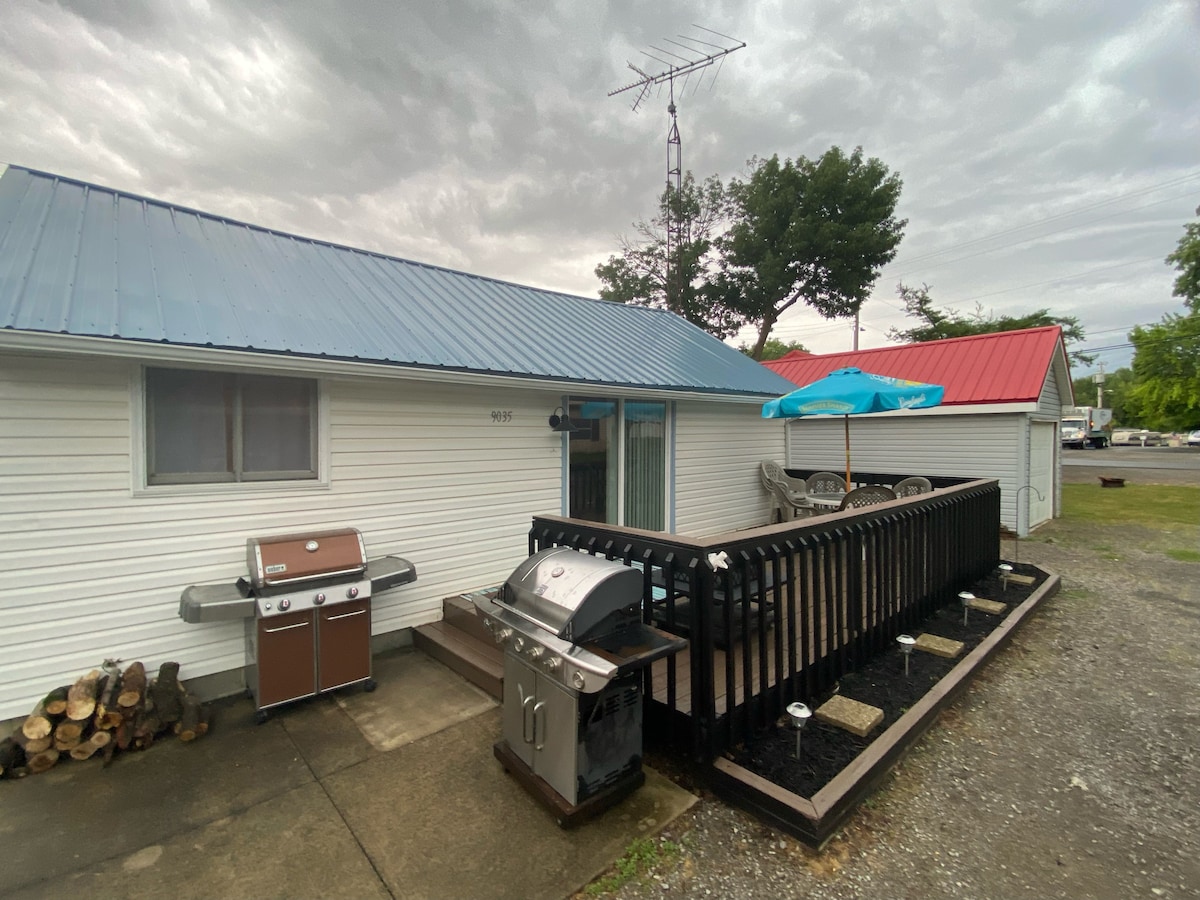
{"x": 639, "y": 857}
{"x": 940, "y": 324}
{"x": 1166, "y": 361}
{"x": 640, "y": 273}
{"x": 1186, "y": 259}
{"x": 1166, "y": 370}
{"x": 773, "y": 349}
{"x": 1116, "y": 389}
{"x": 808, "y": 231}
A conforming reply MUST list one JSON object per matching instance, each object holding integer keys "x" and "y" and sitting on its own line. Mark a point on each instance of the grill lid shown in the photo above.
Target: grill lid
{"x": 569, "y": 593}
{"x": 308, "y": 555}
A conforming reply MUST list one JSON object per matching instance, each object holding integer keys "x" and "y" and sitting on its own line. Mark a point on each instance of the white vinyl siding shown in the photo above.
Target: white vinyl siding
{"x": 94, "y": 569}
{"x": 718, "y": 449}
{"x": 1050, "y": 402}
{"x": 968, "y": 446}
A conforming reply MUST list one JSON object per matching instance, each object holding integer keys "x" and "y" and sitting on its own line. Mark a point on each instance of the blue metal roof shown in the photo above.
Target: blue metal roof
{"x": 80, "y": 259}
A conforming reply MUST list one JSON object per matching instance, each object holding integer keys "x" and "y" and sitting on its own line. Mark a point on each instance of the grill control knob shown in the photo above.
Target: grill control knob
{"x": 503, "y": 634}
{"x": 553, "y": 663}
{"x": 285, "y": 604}
{"x": 518, "y": 643}
{"x": 535, "y": 652}
{"x": 352, "y": 593}
{"x": 318, "y": 600}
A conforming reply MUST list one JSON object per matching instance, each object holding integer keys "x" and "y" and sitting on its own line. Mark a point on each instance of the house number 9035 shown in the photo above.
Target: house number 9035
{"x": 501, "y": 415}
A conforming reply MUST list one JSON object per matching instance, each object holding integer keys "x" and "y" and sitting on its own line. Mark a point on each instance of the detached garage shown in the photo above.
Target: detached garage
{"x": 999, "y": 418}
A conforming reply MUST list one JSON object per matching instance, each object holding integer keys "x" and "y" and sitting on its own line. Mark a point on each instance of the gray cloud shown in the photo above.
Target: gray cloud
{"x": 480, "y": 135}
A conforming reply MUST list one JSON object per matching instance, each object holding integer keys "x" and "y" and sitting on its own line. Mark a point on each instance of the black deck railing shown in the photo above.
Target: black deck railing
{"x": 799, "y": 604}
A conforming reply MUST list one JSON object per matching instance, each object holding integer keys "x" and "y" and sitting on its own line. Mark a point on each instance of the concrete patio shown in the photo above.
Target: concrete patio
{"x": 389, "y": 794}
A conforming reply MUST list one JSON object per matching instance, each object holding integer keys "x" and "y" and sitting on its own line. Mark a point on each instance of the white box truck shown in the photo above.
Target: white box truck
{"x": 1086, "y": 426}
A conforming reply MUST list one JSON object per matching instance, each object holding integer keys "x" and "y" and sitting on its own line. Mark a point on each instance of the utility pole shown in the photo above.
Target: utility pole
{"x": 1099, "y": 379}
{"x": 693, "y": 59}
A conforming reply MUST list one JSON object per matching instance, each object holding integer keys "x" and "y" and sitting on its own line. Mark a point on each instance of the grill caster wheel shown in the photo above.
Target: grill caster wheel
{"x": 369, "y": 685}
{"x": 261, "y": 716}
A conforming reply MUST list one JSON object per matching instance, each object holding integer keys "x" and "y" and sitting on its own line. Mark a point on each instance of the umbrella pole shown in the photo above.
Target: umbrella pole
{"x": 846, "y": 422}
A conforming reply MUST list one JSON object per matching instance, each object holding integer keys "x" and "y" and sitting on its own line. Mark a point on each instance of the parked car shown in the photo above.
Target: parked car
{"x": 1193, "y": 439}
{"x": 1136, "y": 437}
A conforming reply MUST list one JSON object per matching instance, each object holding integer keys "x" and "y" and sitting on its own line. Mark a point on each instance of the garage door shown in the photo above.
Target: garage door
{"x": 1042, "y": 436}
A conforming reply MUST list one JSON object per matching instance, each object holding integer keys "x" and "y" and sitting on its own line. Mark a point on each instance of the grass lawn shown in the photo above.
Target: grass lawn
{"x": 1154, "y": 505}
{"x": 1167, "y": 517}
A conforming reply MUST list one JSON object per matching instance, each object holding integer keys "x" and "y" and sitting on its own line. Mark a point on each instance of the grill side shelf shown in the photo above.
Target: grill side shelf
{"x": 214, "y": 603}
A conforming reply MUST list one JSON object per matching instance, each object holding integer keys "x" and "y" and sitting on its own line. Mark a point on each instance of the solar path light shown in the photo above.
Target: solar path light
{"x": 906, "y": 642}
{"x": 966, "y": 597}
{"x": 1005, "y": 571}
{"x": 799, "y": 714}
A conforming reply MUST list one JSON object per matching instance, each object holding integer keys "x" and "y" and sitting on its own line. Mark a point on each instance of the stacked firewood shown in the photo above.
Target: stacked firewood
{"x": 106, "y": 710}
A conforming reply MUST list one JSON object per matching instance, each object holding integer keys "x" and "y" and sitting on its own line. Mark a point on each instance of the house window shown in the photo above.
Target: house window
{"x": 220, "y": 427}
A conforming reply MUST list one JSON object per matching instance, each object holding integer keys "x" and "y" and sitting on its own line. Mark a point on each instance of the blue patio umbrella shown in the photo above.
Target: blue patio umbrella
{"x": 850, "y": 392}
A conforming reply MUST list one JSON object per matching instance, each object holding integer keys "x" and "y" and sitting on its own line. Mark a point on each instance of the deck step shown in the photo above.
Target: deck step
{"x": 460, "y": 613}
{"x": 481, "y": 664}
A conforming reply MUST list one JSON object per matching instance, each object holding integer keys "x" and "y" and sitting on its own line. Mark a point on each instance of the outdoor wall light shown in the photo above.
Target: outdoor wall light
{"x": 966, "y": 597}
{"x": 906, "y": 642}
{"x": 563, "y": 422}
{"x": 799, "y": 714}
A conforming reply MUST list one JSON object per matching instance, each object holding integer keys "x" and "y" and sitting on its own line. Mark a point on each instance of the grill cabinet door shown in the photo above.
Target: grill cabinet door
{"x": 344, "y": 644}
{"x": 556, "y": 737}
{"x": 520, "y": 695}
{"x": 286, "y": 658}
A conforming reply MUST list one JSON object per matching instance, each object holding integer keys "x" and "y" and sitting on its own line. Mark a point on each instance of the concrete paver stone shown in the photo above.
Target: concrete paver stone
{"x": 851, "y": 715}
{"x": 939, "y": 646}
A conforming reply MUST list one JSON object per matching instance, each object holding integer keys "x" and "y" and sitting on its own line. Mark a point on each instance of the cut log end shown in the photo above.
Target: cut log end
{"x": 133, "y": 685}
{"x": 41, "y": 762}
{"x": 81, "y": 698}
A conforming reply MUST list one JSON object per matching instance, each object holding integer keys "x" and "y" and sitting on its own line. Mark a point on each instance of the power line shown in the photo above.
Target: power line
{"x": 1066, "y": 215}
{"x": 1023, "y": 287}
{"x": 1035, "y": 238}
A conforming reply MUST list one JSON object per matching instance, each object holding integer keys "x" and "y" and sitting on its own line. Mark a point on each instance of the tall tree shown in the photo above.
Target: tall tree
{"x": 810, "y": 231}
{"x": 1186, "y": 260}
{"x": 937, "y": 324}
{"x": 774, "y": 349}
{"x": 1166, "y": 356}
{"x": 640, "y": 273}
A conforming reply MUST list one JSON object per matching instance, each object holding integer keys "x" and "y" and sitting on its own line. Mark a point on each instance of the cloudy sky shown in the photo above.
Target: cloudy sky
{"x": 1048, "y": 149}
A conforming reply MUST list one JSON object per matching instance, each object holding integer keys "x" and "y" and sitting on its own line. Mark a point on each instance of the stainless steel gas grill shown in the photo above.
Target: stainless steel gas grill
{"x": 307, "y": 606}
{"x": 575, "y": 645}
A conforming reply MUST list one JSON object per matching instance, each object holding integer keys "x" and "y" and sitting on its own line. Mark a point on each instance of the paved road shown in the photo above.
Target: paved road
{"x": 1150, "y": 465}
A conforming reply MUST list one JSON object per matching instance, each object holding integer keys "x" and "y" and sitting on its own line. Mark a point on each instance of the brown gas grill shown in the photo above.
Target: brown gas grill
{"x": 307, "y": 606}
{"x": 575, "y": 645}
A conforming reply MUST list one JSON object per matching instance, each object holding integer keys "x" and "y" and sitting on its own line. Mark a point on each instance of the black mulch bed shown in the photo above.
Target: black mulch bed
{"x": 826, "y": 750}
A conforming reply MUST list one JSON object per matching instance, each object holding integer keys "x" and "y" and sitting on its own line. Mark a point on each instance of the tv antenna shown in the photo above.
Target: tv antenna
{"x": 691, "y": 57}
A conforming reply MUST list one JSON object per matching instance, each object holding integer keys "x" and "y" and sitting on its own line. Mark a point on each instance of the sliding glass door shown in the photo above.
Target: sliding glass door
{"x": 617, "y": 462}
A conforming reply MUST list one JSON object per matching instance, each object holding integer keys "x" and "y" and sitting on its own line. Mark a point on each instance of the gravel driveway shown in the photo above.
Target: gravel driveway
{"x": 1068, "y": 769}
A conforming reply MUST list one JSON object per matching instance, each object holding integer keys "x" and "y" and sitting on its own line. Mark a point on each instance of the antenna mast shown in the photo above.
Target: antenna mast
{"x": 691, "y": 60}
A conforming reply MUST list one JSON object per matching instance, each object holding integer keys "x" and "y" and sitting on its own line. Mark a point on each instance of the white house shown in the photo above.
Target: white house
{"x": 998, "y": 419}
{"x": 172, "y": 383}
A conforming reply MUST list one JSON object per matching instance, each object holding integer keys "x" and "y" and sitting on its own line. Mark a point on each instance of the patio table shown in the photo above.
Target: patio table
{"x": 825, "y": 500}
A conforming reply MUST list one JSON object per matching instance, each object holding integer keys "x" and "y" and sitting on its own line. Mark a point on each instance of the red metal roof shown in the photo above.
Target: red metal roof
{"x": 1009, "y": 367}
